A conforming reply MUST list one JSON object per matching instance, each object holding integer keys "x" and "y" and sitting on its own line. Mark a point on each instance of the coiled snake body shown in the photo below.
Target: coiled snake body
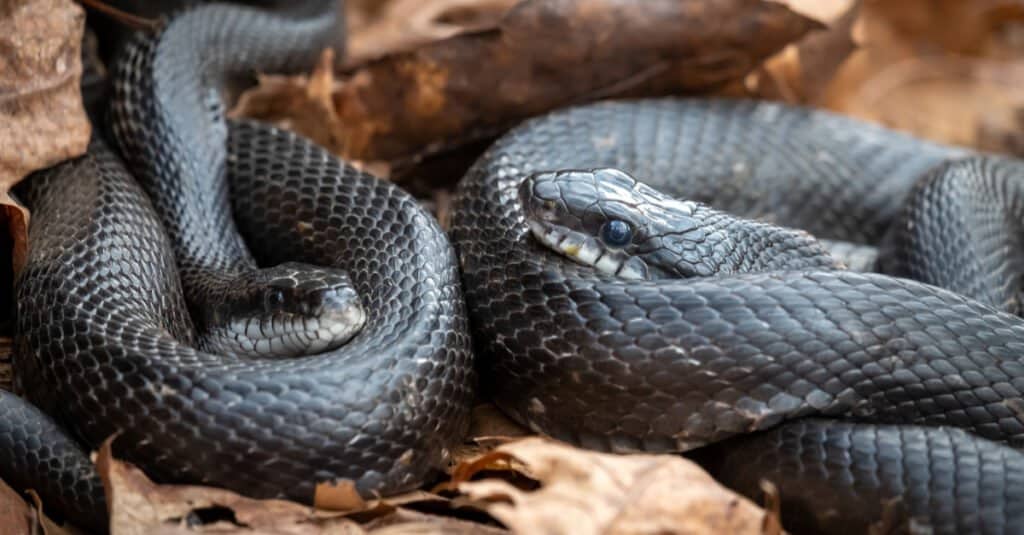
{"x": 106, "y": 343}
{"x": 672, "y": 364}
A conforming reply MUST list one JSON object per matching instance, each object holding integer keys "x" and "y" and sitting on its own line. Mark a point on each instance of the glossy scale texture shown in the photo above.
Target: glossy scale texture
{"x": 670, "y": 365}
{"x": 105, "y": 341}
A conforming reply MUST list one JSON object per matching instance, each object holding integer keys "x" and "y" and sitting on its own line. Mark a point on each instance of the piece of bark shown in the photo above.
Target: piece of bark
{"x": 546, "y": 54}
{"x": 551, "y": 53}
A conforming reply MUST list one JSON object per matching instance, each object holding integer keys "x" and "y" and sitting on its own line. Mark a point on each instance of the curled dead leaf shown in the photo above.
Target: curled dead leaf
{"x": 15, "y": 515}
{"x": 954, "y": 100}
{"x": 406, "y": 24}
{"x": 586, "y": 492}
{"x": 42, "y": 120}
{"x": 489, "y": 428}
{"x": 338, "y": 496}
{"x": 46, "y": 525}
{"x": 139, "y": 506}
{"x": 801, "y": 72}
{"x": 544, "y": 54}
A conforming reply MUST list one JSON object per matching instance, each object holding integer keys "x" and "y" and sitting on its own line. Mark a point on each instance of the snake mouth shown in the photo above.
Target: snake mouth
{"x": 589, "y": 251}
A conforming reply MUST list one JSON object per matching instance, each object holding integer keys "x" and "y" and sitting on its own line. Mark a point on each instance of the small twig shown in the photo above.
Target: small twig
{"x": 132, "y": 21}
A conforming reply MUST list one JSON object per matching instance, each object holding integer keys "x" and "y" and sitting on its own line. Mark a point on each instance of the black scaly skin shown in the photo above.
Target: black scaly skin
{"x": 963, "y": 231}
{"x": 670, "y": 365}
{"x": 35, "y": 453}
{"x": 102, "y": 324}
{"x": 900, "y": 478}
{"x": 105, "y": 343}
{"x": 167, "y": 117}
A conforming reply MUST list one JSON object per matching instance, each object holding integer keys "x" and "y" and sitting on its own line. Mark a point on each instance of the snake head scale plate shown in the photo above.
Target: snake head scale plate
{"x": 607, "y": 219}
{"x": 288, "y": 310}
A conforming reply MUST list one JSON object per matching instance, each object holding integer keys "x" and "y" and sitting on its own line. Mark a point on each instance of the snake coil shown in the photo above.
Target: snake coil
{"x": 105, "y": 341}
{"x": 674, "y": 364}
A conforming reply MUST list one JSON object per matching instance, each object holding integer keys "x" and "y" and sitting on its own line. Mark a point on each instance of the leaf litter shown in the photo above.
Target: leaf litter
{"x": 42, "y": 121}
{"x": 430, "y": 78}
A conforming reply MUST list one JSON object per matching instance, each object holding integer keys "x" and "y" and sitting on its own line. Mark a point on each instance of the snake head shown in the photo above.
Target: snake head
{"x": 288, "y": 310}
{"x": 607, "y": 219}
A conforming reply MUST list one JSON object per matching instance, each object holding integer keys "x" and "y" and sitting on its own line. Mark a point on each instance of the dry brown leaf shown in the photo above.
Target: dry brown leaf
{"x": 489, "y": 428}
{"x": 139, "y": 506}
{"x": 960, "y": 101}
{"x": 48, "y": 526}
{"x": 406, "y": 24}
{"x": 406, "y": 522}
{"x": 16, "y": 516}
{"x": 42, "y": 120}
{"x": 980, "y": 28}
{"x": 544, "y": 54}
{"x": 338, "y": 496}
{"x": 922, "y": 68}
{"x": 802, "y": 71}
{"x": 585, "y": 492}
{"x": 301, "y": 103}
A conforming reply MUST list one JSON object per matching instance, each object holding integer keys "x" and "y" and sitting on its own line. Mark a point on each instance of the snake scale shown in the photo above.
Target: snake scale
{"x": 881, "y": 401}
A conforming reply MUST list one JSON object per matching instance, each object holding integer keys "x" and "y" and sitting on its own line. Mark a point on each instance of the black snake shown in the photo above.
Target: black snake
{"x": 702, "y": 349}
{"x": 106, "y": 341}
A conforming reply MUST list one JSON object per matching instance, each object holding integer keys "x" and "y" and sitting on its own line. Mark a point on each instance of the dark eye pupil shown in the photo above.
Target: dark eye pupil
{"x": 616, "y": 232}
{"x": 277, "y": 297}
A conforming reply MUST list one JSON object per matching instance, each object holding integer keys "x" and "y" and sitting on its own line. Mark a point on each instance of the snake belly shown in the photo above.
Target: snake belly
{"x": 675, "y": 364}
{"x": 105, "y": 342}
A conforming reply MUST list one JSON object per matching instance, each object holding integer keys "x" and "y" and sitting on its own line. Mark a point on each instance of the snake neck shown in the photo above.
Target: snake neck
{"x": 168, "y": 118}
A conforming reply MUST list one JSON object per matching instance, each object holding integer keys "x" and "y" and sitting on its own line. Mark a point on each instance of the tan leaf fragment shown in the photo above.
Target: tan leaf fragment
{"x": 946, "y": 70}
{"x": 489, "y": 428}
{"x": 406, "y": 24}
{"x": 338, "y": 496}
{"x": 48, "y": 526}
{"x": 42, "y": 121}
{"x": 300, "y": 103}
{"x": 960, "y": 101}
{"x": 802, "y": 71}
{"x": 139, "y": 506}
{"x": 406, "y": 522}
{"x": 583, "y": 492}
{"x": 15, "y": 515}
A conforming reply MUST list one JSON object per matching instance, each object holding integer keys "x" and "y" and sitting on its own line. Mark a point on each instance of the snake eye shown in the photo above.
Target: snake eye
{"x": 275, "y": 298}
{"x": 616, "y": 233}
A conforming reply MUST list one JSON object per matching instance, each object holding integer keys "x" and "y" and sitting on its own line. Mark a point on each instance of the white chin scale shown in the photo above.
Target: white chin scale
{"x": 286, "y": 336}
{"x": 589, "y": 251}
